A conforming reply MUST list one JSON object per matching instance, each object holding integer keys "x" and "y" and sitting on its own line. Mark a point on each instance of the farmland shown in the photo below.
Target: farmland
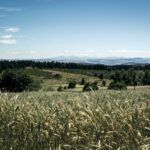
{"x": 72, "y": 119}
{"x": 94, "y": 120}
{"x": 74, "y": 75}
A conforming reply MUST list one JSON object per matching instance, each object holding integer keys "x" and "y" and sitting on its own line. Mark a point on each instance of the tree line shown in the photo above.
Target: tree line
{"x": 131, "y": 75}
{"x": 5, "y": 64}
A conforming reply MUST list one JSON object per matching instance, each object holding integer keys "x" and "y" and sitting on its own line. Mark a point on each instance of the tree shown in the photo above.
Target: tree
{"x": 95, "y": 74}
{"x": 101, "y": 76}
{"x": 60, "y": 89}
{"x": 146, "y": 78}
{"x": 58, "y": 76}
{"x": 82, "y": 81}
{"x": 94, "y": 85}
{"x": 87, "y": 87}
{"x": 117, "y": 86}
{"x": 72, "y": 84}
{"x": 16, "y": 81}
{"x": 117, "y": 77}
{"x": 90, "y": 86}
{"x": 103, "y": 83}
{"x": 65, "y": 87}
{"x": 134, "y": 78}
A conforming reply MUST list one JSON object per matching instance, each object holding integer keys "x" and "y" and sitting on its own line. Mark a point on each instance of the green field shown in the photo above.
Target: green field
{"x": 51, "y": 83}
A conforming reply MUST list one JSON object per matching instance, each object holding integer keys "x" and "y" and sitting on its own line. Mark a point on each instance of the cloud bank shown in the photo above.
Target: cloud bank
{"x": 8, "y": 38}
{"x": 12, "y": 29}
{"x": 10, "y": 9}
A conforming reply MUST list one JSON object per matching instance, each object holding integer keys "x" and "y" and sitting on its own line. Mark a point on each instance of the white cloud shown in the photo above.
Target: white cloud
{"x": 8, "y": 41}
{"x": 9, "y": 36}
{"x": 12, "y": 29}
{"x": 10, "y": 9}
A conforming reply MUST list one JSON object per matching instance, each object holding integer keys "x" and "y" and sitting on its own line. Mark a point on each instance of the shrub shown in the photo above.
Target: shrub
{"x": 65, "y": 87}
{"x": 82, "y": 81}
{"x": 60, "y": 88}
{"x": 95, "y": 74}
{"x": 72, "y": 84}
{"x": 117, "y": 86}
{"x": 89, "y": 87}
{"x": 94, "y": 85}
{"x": 16, "y": 81}
{"x": 57, "y": 76}
{"x": 101, "y": 76}
{"x": 103, "y": 83}
{"x": 35, "y": 85}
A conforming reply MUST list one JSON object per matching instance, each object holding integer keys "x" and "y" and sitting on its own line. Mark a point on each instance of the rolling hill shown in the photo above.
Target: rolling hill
{"x": 105, "y": 61}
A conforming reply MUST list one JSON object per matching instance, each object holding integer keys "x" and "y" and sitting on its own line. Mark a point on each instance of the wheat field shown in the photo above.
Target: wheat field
{"x": 102, "y": 120}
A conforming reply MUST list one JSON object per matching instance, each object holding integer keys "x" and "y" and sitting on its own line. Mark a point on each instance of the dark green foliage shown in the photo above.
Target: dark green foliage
{"x": 38, "y": 73}
{"x": 103, "y": 83}
{"x": 146, "y": 78}
{"x": 60, "y": 65}
{"x": 117, "y": 86}
{"x": 16, "y": 81}
{"x": 72, "y": 84}
{"x": 83, "y": 81}
{"x": 57, "y": 76}
{"x": 90, "y": 86}
{"x": 65, "y": 87}
{"x": 87, "y": 87}
{"x": 95, "y": 74}
{"x": 34, "y": 86}
{"x": 94, "y": 86}
{"x": 101, "y": 76}
{"x": 116, "y": 77}
{"x": 130, "y": 74}
{"x": 129, "y": 77}
{"x": 60, "y": 89}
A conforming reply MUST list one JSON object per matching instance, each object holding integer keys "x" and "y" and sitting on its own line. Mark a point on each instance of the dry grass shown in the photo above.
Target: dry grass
{"x": 75, "y": 121}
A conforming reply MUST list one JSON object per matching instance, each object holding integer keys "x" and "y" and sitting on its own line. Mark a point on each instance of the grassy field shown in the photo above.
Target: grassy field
{"x": 72, "y": 119}
{"x": 50, "y": 82}
{"x": 118, "y": 120}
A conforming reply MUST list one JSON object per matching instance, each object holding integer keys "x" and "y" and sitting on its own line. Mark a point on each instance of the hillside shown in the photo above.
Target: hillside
{"x": 52, "y": 78}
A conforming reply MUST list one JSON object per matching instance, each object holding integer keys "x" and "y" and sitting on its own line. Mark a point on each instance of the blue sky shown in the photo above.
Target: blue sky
{"x": 93, "y": 28}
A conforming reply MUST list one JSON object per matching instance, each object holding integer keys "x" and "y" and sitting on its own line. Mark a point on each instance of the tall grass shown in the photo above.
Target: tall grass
{"x": 71, "y": 121}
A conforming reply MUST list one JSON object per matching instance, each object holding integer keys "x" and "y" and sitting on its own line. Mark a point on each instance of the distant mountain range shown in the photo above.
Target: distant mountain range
{"x": 105, "y": 61}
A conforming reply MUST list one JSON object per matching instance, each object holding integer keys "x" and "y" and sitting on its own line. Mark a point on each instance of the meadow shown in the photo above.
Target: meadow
{"x": 50, "y": 81}
{"x": 104, "y": 119}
